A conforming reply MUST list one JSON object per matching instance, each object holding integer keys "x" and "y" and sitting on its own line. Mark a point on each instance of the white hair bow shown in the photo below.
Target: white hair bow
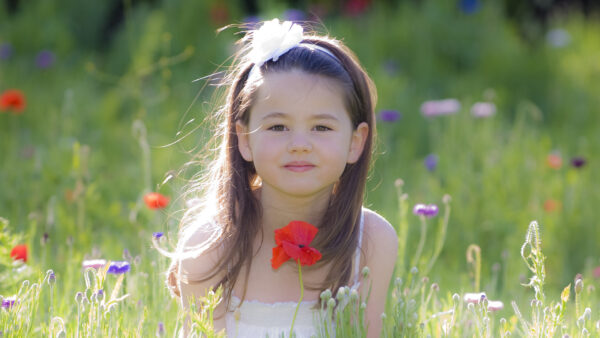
{"x": 274, "y": 39}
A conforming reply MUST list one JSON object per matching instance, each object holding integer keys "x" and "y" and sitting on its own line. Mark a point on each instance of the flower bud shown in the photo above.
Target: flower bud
{"x": 325, "y": 295}
{"x": 353, "y": 295}
{"x": 578, "y": 285}
{"x": 447, "y": 199}
{"x": 383, "y": 316}
{"x": 331, "y": 303}
{"x": 587, "y": 314}
{"x": 435, "y": 287}
{"x": 79, "y": 297}
{"x": 100, "y": 295}
{"x": 414, "y": 270}
{"x": 502, "y": 321}
{"x": 341, "y": 293}
{"x": 399, "y": 183}
{"x": 365, "y": 272}
{"x": 51, "y": 277}
{"x": 363, "y": 305}
{"x": 456, "y": 298}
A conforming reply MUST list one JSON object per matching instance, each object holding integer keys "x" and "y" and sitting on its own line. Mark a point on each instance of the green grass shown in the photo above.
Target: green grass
{"x": 100, "y": 127}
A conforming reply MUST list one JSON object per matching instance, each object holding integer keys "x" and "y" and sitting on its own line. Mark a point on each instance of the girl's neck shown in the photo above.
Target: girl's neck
{"x": 279, "y": 209}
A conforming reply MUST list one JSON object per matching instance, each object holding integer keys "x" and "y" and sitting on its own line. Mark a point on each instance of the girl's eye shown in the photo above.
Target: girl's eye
{"x": 277, "y": 127}
{"x": 322, "y": 128}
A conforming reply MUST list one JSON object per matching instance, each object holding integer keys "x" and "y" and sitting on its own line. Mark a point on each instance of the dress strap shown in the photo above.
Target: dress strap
{"x": 356, "y": 261}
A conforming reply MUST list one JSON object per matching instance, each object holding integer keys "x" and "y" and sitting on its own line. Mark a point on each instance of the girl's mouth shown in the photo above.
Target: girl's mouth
{"x": 299, "y": 166}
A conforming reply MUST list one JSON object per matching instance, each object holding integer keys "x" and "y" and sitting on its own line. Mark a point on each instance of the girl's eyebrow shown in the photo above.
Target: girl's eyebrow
{"x": 322, "y": 116}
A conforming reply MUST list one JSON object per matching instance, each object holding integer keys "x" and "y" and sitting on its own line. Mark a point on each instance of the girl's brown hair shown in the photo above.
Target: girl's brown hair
{"x": 231, "y": 181}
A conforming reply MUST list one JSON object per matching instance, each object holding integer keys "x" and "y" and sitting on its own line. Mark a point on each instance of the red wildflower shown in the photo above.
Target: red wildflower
{"x": 293, "y": 242}
{"x": 219, "y": 14}
{"x": 554, "y": 161}
{"x": 551, "y": 205}
{"x": 356, "y": 7}
{"x": 19, "y": 252}
{"x": 156, "y": 200}
{"x": 12, "y": 99}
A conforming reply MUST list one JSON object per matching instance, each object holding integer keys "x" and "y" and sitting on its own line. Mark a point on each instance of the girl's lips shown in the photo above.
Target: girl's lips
{"x": 299, "y": 167}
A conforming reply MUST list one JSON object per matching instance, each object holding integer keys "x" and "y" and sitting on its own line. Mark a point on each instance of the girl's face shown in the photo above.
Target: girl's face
{"x": 299, "y": 135}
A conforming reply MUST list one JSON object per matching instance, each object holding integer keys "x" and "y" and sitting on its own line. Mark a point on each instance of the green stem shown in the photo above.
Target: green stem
{"x": 421, "y": 241}
{"x": 301, "y": 296}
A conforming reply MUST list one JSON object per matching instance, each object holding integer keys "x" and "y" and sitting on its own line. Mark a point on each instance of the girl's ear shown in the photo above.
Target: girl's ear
{"x": 243, "y": 142}
{"x": 357, "y": 144}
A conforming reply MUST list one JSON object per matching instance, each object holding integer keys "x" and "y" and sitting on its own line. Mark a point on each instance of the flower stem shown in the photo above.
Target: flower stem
{"x": 301, "y": 296}
{"x": 421, "y": 241}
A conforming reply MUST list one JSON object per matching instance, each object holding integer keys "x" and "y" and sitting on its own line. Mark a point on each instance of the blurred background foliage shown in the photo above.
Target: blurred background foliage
{"x": 107, "y": 80}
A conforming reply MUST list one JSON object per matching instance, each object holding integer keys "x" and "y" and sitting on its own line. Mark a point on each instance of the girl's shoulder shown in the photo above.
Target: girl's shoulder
{"x": 199, "y": 250}
{"x": 378, "y": 230}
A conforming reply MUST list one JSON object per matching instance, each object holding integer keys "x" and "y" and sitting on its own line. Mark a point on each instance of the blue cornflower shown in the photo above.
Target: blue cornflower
{"x": 389, "y": 115}
{"x": 431, "y": 162}
{"x": 6, "y": 51}
{"x": 119, "y": 267}
{"x": 294, "y": 15}
{"x": 7, "y": 303}
{"x": 469, "y": 6}
{"x": 45, "y": 59}
{"x": 427, "y": 210}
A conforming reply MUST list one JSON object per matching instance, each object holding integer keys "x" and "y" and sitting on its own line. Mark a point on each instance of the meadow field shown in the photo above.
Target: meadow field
{"x": 495, "y": 122}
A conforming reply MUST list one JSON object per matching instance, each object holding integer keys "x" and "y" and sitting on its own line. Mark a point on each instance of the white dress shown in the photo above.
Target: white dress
{"x": 255, "y": 319}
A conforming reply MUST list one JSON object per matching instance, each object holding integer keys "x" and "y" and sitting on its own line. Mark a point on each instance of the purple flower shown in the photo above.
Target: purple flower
{"x": 483, "y": 109}
{"x": 294, "y": 15}
{"x": 119, "y": 267}
{"x": 44, "y": 59}
{"x": 7, "y": 303}
{"x": 440, "y": 107}
{"x": 6, "y": 51}
{"x": 157, "y": 235}
{"x": 469, "y": 6}
{"x": 431, "y": 162}
{"x": 160, "y": 329}
{"x": 427, "y": 210}
{"x": 389, "y": 115}
{"x": 578, "y": 162}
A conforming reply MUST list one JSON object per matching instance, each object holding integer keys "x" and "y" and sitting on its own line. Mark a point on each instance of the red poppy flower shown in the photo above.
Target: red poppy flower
{"x": 155, "y": 200}
{"x": 554, "y": 161}
{"x": 293, "y": 242}
{"x": 551, "y": 205}
{"x": 12, "y": 99}
{"x": 19, "y": 252}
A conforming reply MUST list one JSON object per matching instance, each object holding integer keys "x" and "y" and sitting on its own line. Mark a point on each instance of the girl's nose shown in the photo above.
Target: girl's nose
{"x": 299, "y": 143}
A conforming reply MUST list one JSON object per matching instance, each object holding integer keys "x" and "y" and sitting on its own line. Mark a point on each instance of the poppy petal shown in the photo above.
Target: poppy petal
{"x": 309, "y": 256}
{"x": 279, "y": 257}
{"x": 303, "y": 233}
{"x": 284, "y": 235}
{"x": 292, "y": 250}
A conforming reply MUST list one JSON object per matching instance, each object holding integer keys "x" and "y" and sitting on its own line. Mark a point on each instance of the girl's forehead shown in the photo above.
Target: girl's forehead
{"x": 298, "y": 91}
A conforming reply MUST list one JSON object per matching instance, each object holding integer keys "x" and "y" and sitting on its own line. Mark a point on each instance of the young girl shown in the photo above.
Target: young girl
{"x": 295, "y": 144}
